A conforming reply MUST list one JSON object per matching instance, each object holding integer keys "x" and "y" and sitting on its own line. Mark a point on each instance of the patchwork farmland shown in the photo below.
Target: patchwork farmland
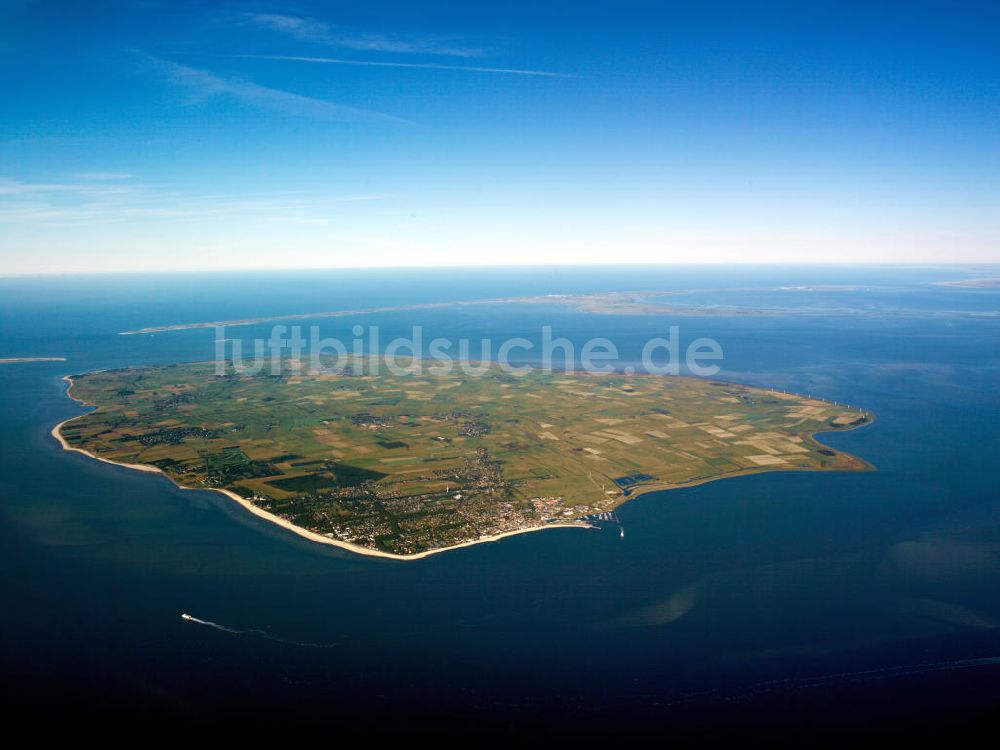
{"x": 405, "y": 463}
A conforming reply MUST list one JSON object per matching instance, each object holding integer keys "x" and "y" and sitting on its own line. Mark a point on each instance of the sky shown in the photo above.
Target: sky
{"x": 151, "y": 136}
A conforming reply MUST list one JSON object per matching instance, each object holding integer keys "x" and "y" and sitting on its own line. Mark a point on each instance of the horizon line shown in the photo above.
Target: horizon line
{"x": 525, "y": 266}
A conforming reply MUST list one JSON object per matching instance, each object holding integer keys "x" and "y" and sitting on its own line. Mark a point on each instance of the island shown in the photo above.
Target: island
{"x": 984, "y": 283}
{"x": 18, "y": 360}
{"x": 602, "y": 303}
{"x": 408, "y": 464}
{"x": 660, "y": 303}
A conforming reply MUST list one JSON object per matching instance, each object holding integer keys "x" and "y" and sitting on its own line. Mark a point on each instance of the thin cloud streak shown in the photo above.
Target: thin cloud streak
{"x": 92, "y": 202}
{"x": 9, "y": 187}
{"x": 207, "y": 84}
{"x": 102, "y": 176}
{"x": 313, "y": 30}
{"x": 425, "y": 66}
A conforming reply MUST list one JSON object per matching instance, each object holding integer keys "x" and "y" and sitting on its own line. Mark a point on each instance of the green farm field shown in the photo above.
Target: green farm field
{"x": 410, "y": 463}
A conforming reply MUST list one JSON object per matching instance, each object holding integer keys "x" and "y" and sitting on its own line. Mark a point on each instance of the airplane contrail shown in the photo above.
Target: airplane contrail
{"x": 423, "y": 66}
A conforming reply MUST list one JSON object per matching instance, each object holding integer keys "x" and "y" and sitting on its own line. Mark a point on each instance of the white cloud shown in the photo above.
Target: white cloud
{"x": 313, "y": 30}
{"x": 206, "y": 84}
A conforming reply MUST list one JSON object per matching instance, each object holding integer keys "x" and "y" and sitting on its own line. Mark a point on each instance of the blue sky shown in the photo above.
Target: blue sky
{"x": 181, "y": 135}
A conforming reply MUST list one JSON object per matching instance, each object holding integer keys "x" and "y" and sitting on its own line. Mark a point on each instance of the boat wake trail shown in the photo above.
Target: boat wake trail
{"x": 253, "y": 632}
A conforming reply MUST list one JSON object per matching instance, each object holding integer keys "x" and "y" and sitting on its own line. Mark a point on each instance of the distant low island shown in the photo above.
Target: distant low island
{"x": 985, "y": 283}
{"x": 608, "y": 303}
{"x": 406, "y": 465}
{"x": 659, "y": 303}
{"x": 16, "y": 360}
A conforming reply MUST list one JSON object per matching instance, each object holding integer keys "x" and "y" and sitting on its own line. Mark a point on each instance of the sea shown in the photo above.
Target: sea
{"x": 813, "y": 602}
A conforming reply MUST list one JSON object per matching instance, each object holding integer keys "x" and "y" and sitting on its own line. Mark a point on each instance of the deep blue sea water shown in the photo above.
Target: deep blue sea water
{"x": 775, "y": 593}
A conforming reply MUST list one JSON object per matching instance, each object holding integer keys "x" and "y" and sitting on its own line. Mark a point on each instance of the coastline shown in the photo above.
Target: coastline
{"x": 312, "y": 536}
{"x": 866, "y": 466}
{"x": 56, "y": 433}
{"x": 750, "y": 471}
